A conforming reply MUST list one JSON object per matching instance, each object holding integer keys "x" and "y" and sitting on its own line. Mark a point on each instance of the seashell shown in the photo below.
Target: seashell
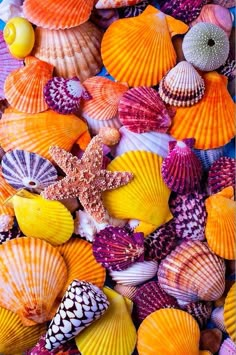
{"x": 13, "y": 232}
{"x": 37, "y": 132}
{"x": 132, "y": 11}
{"x": 183, "y": 10}
{"x": 146, "y": 196}
{"x": 181, "y": 169}
{"x": 72, "y": 52}
{"x": 228, "y": 347}
{"x": 55, "y": 15}
{"x": 229, "y": 312}
{"x": 169, "y": 322}
{"x": 19, "y": 36}
{"x": 141, "y": 110}
{"x": 116, "y": 323}
{"x": 208, "y": 156}
{"x": 149, "y": 298}
{"x": 182, "y": 275}
{"x": 221, "y": 174}
{"x": 23, "y": 87}
{"x": 135, "y": 274}
{"x": 228, "y": 69}
{"x": 32, "y": 273}
{"x": 110, "y": 136}
{"x": 210, "y": 339}
{"x": 201, "y": 311}
{"x": 126, "y": 291}
{"x": 189, "y": 215}
{"x": 206, "y": 46}
{"x": 217, "y": 318}
{"x": 225, "y": 3}
{"x": 221, "y": 301}
{"x": 96, "y": 125}
{"x": 221, "y": 223}
{"x": 3, "y": 105}
{"x": 10, "y": 9}
{"x": 82, "y": 304}
{"x": 41, "y": 218}
{"x": 150, "y": 33}
{"x": 6, "y": 212}
{"x": 117, "y": 248}
{"x": 65, "y": 349}
{"x": 216, "y": 14}
{"x": 217, "y": 106}
{"x": 81, "y": 264}
{"x": 109, "y": 4}
{"x": 104, "y": 18}
{"x": 16, "y": 338}
{"x": 182, "y": 86}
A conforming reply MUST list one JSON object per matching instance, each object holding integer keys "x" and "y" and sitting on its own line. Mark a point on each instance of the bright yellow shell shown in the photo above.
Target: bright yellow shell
{"x": 230, "y": 312}
{"x": 19, "y": 35}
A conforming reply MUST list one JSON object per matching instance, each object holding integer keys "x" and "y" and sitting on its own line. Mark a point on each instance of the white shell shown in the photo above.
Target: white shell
{"x": 10, "y": 8}
{"x": 96, "y": 125}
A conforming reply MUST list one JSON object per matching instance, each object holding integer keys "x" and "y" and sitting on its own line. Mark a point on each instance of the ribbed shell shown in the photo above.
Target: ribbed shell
{"x": 6, "y": 191}
{"x": 185, "y": 10}
{"x": 225, "y": 3}
{"x": 217, "y": 318}
{"x": 228, "y": 347}
{"x": 221, "y": 174}
{"x": 108, "y": 4}
{"x": 126, "y": 291}
{"x": 208, "y": 156}
{"x": 229, "y": 312}
{"x": 201, "y": 311}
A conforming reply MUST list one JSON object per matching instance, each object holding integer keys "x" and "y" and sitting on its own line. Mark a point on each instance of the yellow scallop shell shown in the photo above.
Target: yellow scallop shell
{"x": 229, "y": 313}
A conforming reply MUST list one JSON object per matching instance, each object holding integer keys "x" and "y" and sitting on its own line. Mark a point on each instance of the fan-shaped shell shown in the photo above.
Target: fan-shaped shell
{"x": 210, "y": 121}
{"x": 221, "y": 174}
{"x": 55, "y": 15}
{"x": 72, "y": 52}
{"x": 228, "y": 347}
{"x": 182, "y": 86}
{"x": 217, "y": 318}
{"x": 96, "y": 125}
{"x": 168, "y": 331}
{"x": 32, "y": 274}
{"x": 208, "y": 156}
{"x": 149, "y": 37}
{"x": 116, "y": 323}
{"x": 225, "y": 3}
{"x": 229, "y": 312}
{"x": 192, "y": 272}
{"x": 201, "y": 311}
{"x": 6, "y": 211}
{"x": 108, "y": 4}
{"x": 126, "y": 291}
{"x": 146, "y": 196}
{"x": 184, "y": 10}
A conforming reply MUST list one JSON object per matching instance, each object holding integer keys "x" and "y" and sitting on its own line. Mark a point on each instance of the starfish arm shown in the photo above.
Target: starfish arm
{"x": 115, "y": 179}
{"x": 93, "y": 205}
{"x": 66, "y": 161}
{"x": 93, "y": 155}
{"x": 61, "y": 190}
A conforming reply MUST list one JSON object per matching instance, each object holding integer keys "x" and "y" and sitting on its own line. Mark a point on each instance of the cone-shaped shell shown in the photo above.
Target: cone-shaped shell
{"x": 184, "y": 10}
{"x": 229, "y": 312}
{"x": 116, "y": 323}
{"x": 81, "y": 264}
{"x": 16, "y": 338}
{"x": 182, "y": 86}
{"x": 221, "y": 174}
{"x": 146, "y": 196}
{"x": 6, "y": 211}
{"x": 37, "y": 132}
{"x": 192, "y": 272}
{"x": 210, "y": 121}
{"x": 32, "y": 274}
{"x": 228, "y": 347}
{"x": 149, "y": 37}
{"x": 73, "y": 52}
{"x": 23, "y": 87}
{"x": 109, "y": 4}
{"x": 55, "y": 15}
{"x": 168, "y": 331}
{"x": 220, "y": 223}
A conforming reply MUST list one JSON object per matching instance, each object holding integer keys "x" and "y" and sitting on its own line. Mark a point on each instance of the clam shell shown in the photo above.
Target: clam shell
{"x": 228, "y": 347}
{"x": 108, "y": 4}
{"x": 184, "y": 10}
{"x": 229, "y": 312}
{"x": 208, "y": 156}
{"x": 192, "y": 272}
{"x": 32, "y": 274}
{"x": 126, "y": 291}
{"x": 201, "y": 311}
{"x": 182, "y": 86}
{"x": 217, "y": 318}
{"x": 221, "y": 174}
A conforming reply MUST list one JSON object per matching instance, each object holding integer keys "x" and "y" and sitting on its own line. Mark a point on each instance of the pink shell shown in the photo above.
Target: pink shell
{"x": 217, "y": 318}
{"x": 221, "y": 175}
{"x": 228, "y": 347}
{"x": 184, "y": 10}
{"x": 126, "y": 291}
{"x": 225, "y": 3}
{"x": 181, "y": 169}
{"x": 142, "y": 110}
{"x": 201, "y": 311}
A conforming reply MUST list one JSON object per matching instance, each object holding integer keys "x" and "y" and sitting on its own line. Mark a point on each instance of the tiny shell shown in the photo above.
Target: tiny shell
{"x": 110, "y": 135}
{"x": 104, "y": 18}
{"x": 184, "y": 10}
{"x": 200, "y": 310}
{"x": 228, "y": 347}
{"x": 221, "y": 174}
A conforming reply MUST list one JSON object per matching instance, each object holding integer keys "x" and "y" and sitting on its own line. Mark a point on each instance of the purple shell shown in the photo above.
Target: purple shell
{"x": 200, "y": 310}
{"x": 149, "y": 298}
{"x": 189, "y": 213}
{"x": 228, "y": 347}
{"x": 221, "y": 174}
{"x": 118, "y": 248}
{"x": 39, "y": 349}
{"x": 217, "y": 318}
{"x": 181, "y": 169}
{"x": 64, "y": 95}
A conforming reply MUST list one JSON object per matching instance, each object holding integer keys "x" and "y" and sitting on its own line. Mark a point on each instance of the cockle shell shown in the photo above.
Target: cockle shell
{"x": 208, "y": 156}
{"x": 221, "y": 174}
{"x": 228, "y": 347}
{"x": 142, "y": 110}
{"x": 184, "y": 10}
{"x": 229, "y": 312}
{"x": 10, "y": 8}
{"x": 182, "y": 86}
{"x": 217, "y": 318}
{"x": 201, "y": 311}
{"x": 108, "y": 4}
{"x": 192, "y": 272}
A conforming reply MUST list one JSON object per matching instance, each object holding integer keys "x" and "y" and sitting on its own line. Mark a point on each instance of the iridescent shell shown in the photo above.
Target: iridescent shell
{"x": 201, "y": 311}
{"x": 229, "y": 312}
{"x": 142, "y": 110}
{"x": 181, "y": 169}
{"x": 184, "y": 10}
{"x": 228, "y": 347}
{"x": 217, "y": 318}
{"x": 192, "y": 272}
{"x": 221, "y": 174}
{"x": 206, "y": 46}
{"x": 10, "y": 9}
{"x": 108, "y": 4}
{"x": 208, "y": 156}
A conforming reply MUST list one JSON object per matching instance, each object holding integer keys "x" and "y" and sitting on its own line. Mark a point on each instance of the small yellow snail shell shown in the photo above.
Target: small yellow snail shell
{"x": 19, "y": 36}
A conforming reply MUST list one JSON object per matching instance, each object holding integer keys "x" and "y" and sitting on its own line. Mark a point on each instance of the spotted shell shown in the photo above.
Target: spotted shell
{"x": 184, "y": 10}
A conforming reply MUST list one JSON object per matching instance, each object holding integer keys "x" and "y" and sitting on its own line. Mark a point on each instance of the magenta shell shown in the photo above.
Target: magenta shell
{"x": 117, "y": 248}
{"x": 221, "y": 175}
{"x": 181, "y": 169}
{"x": 200, "y": 310}
{"x": 184, "y": 10}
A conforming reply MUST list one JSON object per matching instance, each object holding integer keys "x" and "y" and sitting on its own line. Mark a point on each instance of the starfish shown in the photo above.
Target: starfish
{"x": 85, "y": 179}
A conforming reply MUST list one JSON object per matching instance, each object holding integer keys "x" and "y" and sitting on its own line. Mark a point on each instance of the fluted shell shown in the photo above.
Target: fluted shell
{"x": 206, "y": 46}
{"x": 229, "y": 312}
{"x": 168, "y": 331}
{"x": 116, "y": 323}
{"x": 217, "y": 318}
{"x": 210, "y": 121}
{"x": 135, "y": 274}
{"x": 82, "y": 304}
{"x": 6, "y": 211}
{"x": 41, "y": 218}
{"x": 149, "y": 37}
{"x": 225, "y": 3}
{"x": 201, "y": 311}
{"x": 7, "y": 64}
{"x": 142, "y": 110}
{"x": 221, "y": 174}
{"x": 81, "y": 264}
{"x": 208, "y": 156}
{"x": 181, "y": 169}
{"x": 109, "y": 4}
{"x": 149, "y": 298}
{"x": 23, "y": 169}
{"x": 182, "y": 86}
{"x": 72, "y": 52}
{"x": 32, "y": 274}
{"x": 228, "y": 347}
{"x": 221, "y": 223}
{"x": 192, "y": 272}
{"x": 55, "y": 15}
{"x": 16, "y": 338}
{"x": 37, "y": 132}
{"x": 126, "y": 291}
{"x": 183, "y": 10}
{"x": 146, "y": 197}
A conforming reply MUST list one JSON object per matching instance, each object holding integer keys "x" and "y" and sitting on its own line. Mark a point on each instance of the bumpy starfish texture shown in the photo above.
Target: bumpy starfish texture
{"x": 85, "y": 179}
